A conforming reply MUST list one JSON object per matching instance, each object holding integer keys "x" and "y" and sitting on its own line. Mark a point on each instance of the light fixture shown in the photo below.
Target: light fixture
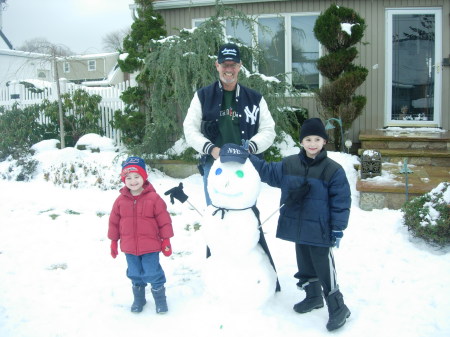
{"x": 348, "y": 144}
{"x": 329, "y": 126}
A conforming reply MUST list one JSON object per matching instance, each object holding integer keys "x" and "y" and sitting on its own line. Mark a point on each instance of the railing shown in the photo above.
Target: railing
{"x": 18, "y": 93}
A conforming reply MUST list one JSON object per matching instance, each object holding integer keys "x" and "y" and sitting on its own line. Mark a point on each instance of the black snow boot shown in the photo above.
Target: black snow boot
{"x": 337, "y": 310}
{"x": 139, "y": 298}
{"x": 160, "y": 300}
{"x": 313, "y": 300}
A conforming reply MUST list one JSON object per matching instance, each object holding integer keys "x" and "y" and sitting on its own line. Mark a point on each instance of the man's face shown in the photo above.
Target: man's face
{"x": 228, "y": 72}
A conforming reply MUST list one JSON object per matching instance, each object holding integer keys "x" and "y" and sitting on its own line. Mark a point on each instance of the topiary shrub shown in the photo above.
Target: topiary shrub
{"x": 338, "y": 29}
{"x": 428, "y": 216}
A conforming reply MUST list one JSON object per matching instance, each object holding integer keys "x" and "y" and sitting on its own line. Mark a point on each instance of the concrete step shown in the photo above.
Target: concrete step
{"x": 421, "y": 147}
{"x": 377, "y": 193}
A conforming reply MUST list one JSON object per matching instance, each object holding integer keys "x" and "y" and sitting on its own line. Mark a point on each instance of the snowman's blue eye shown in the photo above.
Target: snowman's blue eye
{"x": 218, "y": 171}
{"x": 240, "y": 174}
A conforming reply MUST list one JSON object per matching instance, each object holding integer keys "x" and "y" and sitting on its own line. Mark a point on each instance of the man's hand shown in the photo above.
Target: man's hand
{"x": 215, "y": 152}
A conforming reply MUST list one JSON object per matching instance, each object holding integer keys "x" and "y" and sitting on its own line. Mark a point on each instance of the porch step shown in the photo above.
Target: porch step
{"x": 391, "y": 193}
{"x": 422, "y": 147}
{"x": 428, "y": 154}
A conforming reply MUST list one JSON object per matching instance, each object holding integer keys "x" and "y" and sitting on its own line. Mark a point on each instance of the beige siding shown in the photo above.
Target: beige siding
{"x": 372, "y": 55}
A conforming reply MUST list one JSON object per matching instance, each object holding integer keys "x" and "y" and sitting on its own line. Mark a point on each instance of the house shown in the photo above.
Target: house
{"x": 89, "y": 70}
{"x": 407, "y": 53}
{"x": 18, "y": 65}
{"x": 92, "y": 70}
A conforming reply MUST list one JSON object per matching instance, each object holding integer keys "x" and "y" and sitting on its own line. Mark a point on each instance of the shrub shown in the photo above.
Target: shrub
{"x": 428, "y": 216}
{"x": 81, "y": 116}
{"x": 337, "y": 96}
{"x": 19, "y": 129}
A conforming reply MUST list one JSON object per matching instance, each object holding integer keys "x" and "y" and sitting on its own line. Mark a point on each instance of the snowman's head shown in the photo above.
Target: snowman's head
{"x": 233, "y": 185}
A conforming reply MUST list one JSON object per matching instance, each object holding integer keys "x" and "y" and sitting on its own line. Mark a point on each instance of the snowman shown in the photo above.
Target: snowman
{"x": 240, "y": 271}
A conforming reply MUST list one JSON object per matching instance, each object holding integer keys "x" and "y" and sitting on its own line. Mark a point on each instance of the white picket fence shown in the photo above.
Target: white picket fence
{"x": 18, "y": 93}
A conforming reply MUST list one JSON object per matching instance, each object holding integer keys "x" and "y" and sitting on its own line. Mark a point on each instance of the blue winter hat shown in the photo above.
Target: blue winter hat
{"x": 134, "y": 164}
{"x": 233, "y": 152}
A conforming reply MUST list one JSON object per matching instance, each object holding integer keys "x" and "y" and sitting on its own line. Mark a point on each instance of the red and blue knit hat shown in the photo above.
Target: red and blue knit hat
{"x": 134, "y": 164}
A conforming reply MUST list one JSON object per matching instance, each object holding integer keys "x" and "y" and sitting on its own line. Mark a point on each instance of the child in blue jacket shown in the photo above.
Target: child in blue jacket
{"x": 315, "y": 199}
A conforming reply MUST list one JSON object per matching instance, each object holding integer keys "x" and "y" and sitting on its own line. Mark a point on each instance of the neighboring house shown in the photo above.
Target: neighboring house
{"x": 92, "y": 70}
{"x": 89, "y": 70}
{"x": 18, "y": 65}
{"x": 407, "y": 52}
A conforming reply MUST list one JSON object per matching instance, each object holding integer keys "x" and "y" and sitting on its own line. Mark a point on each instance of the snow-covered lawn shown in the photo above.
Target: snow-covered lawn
{"x": 57, "y": 278}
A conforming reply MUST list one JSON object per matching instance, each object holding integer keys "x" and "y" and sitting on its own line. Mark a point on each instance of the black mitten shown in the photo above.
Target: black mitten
{"x": 177, "y": 193}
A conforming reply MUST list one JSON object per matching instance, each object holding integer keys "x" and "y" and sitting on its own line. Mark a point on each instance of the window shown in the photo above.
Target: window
{"x": 271, "y": 38}
{"x": 42, "y": 74}
{"x": 66, "y": 67}
{"x": 92, "y": 65}
{"x": 305, "y": 52}
{"x": 289, "y": 47}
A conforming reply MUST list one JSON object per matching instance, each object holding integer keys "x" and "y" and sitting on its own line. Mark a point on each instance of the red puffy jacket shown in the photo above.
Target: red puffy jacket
{"x": 140, "y": 224}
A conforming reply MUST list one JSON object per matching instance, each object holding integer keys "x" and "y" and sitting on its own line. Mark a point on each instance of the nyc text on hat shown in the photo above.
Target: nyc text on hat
{"x": 233, "y": 152}
{"x": 228, "y": 52}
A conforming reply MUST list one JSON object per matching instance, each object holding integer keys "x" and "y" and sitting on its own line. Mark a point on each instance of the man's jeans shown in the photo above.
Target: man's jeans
{"x": 145, "y": 269}
{"x": 206, "y": 170}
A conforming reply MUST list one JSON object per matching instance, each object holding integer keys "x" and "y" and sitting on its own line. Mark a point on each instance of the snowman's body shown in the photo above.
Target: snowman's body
{"x": 238, "y": 271}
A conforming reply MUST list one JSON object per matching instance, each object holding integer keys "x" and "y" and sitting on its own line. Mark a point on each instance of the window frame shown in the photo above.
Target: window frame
{"x": 66, "y": 67}
{"x": 92, "y": 65}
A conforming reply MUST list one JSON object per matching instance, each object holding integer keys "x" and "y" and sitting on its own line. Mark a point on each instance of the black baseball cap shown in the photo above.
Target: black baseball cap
{"x": 228, "y": 52}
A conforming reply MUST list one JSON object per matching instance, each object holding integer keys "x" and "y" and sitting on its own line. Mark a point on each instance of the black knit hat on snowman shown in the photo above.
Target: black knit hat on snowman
{"x": 313, "y": 127}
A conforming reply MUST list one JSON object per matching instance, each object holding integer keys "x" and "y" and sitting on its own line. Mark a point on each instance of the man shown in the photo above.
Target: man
{"x": 227, "y": 112}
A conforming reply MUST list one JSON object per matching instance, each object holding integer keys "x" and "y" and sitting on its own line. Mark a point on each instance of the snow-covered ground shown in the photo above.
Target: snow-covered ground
{"x": 57, "y": 278}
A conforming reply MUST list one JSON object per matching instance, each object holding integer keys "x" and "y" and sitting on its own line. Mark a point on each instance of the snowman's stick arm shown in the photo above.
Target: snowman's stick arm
{"x": 271, "y": 215}
{"x": 194, "y": 208}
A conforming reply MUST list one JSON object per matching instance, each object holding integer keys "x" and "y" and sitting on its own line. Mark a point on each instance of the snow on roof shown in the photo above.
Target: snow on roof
{"x": 20, "y": 53}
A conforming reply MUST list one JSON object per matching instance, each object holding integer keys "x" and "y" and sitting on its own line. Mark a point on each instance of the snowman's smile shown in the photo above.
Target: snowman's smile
{"x": 233, "y": 195}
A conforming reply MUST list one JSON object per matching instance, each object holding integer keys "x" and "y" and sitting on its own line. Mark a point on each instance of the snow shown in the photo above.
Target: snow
{"x": 347, "y": 27}
{"x": 57, "y": 278}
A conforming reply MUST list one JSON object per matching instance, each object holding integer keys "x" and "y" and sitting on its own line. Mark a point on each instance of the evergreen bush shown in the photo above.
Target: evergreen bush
{"x": 19, "y": 130}
{"x": 337, "y": 96}
{"x": 138, "y": 111}
{"x": 428, "y": 216}
{"x": 81, "y": 116}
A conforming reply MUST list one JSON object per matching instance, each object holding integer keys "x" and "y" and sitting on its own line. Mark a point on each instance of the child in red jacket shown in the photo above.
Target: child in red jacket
{"x": 139, "y": 219}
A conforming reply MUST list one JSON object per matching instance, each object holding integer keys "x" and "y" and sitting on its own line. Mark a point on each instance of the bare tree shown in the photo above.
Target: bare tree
{"x": 113, "y": 41}
{"x": 51, "y": 53}
{"x": 43, "y": 46}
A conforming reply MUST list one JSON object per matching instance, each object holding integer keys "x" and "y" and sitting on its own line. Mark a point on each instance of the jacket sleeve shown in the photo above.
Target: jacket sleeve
{"x": 270, "y": 173}
{"x": 340, "y": 200}
{"x": 192, "y": 128}
{"x": 163, "y": 218}
{"x": 265, "y": 136}
{"x": 114, "y": 220}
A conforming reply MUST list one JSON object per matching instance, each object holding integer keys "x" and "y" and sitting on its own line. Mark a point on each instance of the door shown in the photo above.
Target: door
{"x": 413, "y": 71}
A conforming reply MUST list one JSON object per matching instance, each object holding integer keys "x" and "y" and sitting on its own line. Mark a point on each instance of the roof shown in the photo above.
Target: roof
{"x": 169, "y": 4}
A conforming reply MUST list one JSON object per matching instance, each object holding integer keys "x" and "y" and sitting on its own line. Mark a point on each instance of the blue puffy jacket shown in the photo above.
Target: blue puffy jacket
{"x": 324, "y": 208}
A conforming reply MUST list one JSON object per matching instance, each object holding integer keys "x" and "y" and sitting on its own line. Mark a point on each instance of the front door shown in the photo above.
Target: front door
{"x": 413, "y": 71}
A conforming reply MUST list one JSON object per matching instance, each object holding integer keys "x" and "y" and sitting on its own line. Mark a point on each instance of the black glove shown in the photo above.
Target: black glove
{"x": 210, "y": 129}
{"x": 177, "y": 193}
{"x": 296, "y": 195}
